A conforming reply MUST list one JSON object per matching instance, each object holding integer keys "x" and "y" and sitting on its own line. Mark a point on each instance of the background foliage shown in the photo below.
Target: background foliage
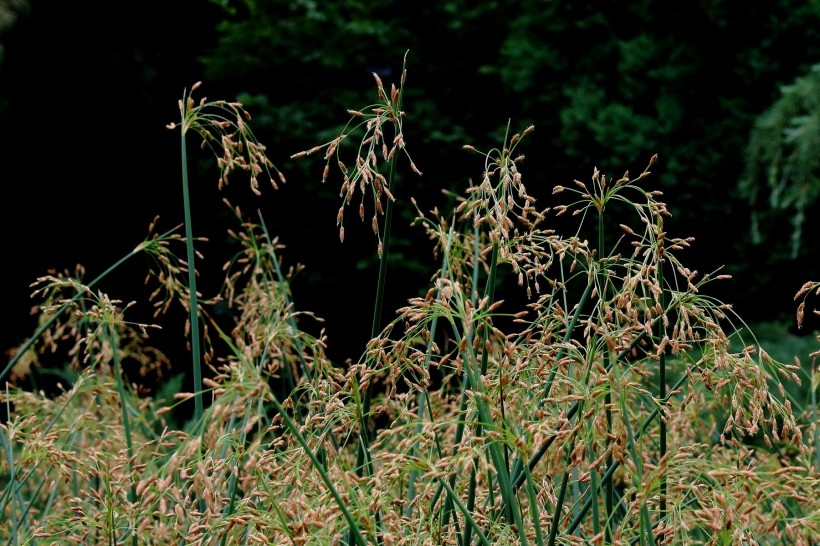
{"x": 605, "y": 84}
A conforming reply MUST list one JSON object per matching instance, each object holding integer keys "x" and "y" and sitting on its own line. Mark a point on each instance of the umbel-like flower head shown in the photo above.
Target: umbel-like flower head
{"x": 376, "y": 154}
{"x": 223, "y": 127}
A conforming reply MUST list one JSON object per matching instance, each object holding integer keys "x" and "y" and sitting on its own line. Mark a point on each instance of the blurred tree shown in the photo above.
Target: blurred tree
{"x": 8, "y": 15}
{"x": 9, "y": 10}
{"x": 783, "y": 158}
{"x": 605, "y": 84}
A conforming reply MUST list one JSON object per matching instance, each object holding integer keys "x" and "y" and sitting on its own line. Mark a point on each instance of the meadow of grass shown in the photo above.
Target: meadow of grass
{"x": 618, "y": 404}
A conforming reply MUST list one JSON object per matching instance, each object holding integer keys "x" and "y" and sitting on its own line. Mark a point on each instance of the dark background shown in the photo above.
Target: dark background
{"x": 86, "y": 92}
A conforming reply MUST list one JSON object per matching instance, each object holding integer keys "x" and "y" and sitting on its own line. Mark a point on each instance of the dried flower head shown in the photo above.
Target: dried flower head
{"x": 223, "y": 127}
{"x": 376, "y": 155}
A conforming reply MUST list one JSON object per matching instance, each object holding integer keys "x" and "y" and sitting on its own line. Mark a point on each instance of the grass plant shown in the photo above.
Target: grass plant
{"x": 566, "y": 379}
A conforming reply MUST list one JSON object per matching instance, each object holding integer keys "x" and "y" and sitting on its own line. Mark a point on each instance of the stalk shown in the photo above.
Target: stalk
{"x": 63, "y": 308}
{"x": 467, "y": 515}
{"x": 509, "y": 503}
{"x": 363, "y": 458}
{"x": 489, "y": 291}
{"x": 607, "y": 476}
{"x": 608, "y": 485}
{"x": 534, "y": 512}
{"x": 662, "y": 381}
{"x": 126, "y": 424}
{"x": 355, "y": 533}
{"x": 193, "y": 303}
{"x": 556, "y": 516}
{"x": 422, "y": 399}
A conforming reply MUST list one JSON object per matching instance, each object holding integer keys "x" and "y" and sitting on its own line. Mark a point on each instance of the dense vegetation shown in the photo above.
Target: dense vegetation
{"x": 522, "y": 344}
{"x": 613, "y": 401}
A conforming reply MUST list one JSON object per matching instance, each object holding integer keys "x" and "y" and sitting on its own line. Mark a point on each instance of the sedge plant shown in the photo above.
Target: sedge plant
{"x": 565, "y": 379}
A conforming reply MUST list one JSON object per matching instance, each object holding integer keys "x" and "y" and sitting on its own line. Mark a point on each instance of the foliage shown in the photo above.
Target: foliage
{"x": 611, "y": 82}
{"x": 783, "y": 157}
{"x": 598, "y": 399}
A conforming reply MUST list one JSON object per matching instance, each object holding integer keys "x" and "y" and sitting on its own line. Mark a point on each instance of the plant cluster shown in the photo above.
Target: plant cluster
{"x": 612, "y": 406}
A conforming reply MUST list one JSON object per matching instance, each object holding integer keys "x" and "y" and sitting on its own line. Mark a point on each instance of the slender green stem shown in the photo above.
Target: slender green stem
{"x": 193, "y": 303}
{"x": 467, "y": 514}
{"x": 518, "y": 474}
{"x": 462, "y": 407}
{"x": 609, "y": 487}
{"x": 294, "y": 429}
{"x": 126, "y": 423}
{"x": 662, "y": 382}
{"x": 423, "y": 398}
{"x": 489, "y": 292}
{"x": 363, "y": 459}
{"x": 607, "y": 476}
{"x": 291, "y": 320}
{"x": 509, "y": 502}
{"x": 534, "y": 512}
{"x": 559, "y": 503}
{"x": 62, "y": 309}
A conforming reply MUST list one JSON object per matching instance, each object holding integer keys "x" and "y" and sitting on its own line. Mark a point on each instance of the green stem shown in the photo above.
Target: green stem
{"x": 294, "y": 429}
{"x": 511, "y": 507}
{"x": 423, "y": 399}
{"x": 467, "y": 515}
{"x": 489, "y": 292}
{"x": 126, "y": 424}
{"x": 609, "y": 487}
{"x": 518, "y": 474}
{"x": 194, "y": 303}
{"x": 559, "y": 503}
{"x": 662, "y": 386}
{"x": 62, "y": 309}
{"x": 607, "y": 476}
{"x": 363, "y": 460}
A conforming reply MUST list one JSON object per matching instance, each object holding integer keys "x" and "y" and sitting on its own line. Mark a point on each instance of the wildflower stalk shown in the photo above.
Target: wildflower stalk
{"x": 518, "y": 477}
{"x": 509, "y": 503}
{"x": 609, "y": 487}
{"x": 607, "y": 475}
{"x": 422, "y": 398}
{"x": 363, "y": 457}
{"x": 559, "y": 503}
{"x": 464, "y": 510}
{"x": 462, "y": 408}
{"x": 489, "y": 292}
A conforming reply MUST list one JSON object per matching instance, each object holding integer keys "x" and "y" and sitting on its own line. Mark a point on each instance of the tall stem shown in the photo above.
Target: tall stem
{"x": 662, "y": 378}
{"x": 363, "y": 459}
{"x": 193, "y": 304}
{"x": 609, "y": 487}
{"x": 363, "y": 462}
{"x": 126, "y": 424}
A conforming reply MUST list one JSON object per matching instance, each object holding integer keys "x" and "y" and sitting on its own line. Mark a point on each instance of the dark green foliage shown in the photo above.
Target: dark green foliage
{"x": 605, "y": 84}
{"x": 783, "y": 158}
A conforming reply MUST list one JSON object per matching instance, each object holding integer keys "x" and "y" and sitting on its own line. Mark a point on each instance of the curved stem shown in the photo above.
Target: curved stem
{"x": 62, "y": 309}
